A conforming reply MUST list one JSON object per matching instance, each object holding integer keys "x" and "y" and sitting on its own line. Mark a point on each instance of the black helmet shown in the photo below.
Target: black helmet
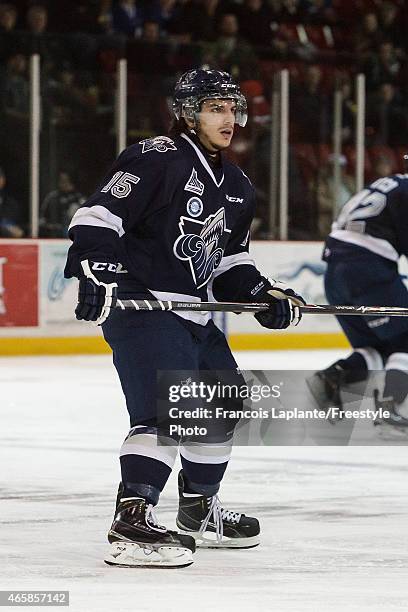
{"x": 197, "y": 85}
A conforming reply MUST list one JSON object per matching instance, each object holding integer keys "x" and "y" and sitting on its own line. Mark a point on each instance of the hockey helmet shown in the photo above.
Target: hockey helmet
{"x": 195, "y": 86}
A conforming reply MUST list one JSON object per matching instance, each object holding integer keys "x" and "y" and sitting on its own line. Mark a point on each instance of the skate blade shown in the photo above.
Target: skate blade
{"x": 390, "y": 433}
{"x": 130, "y": 554}
{"x": 209, "y": 540}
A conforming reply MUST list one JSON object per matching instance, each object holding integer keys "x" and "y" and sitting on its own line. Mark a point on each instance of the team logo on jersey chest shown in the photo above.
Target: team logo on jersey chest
{"x": 194, "y": 207}
{"x": 202, "y": 244}
{"x": 194, "y": 184}
{"x": 159, "y": 143}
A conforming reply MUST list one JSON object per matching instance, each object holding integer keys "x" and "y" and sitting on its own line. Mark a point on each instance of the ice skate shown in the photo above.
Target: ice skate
{"x": 138, "y": 541}
{"x": 213, "y": 526}
{"x": 394, "y": 427}
{"x": 325, "y": 387}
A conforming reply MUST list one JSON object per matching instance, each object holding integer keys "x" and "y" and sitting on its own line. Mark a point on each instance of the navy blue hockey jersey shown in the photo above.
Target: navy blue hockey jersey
{"x": 178, "y": 226}
{"x": 376, "y": 219}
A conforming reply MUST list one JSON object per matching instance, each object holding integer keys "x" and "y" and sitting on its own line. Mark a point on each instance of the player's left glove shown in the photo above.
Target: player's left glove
{"x": 284, "y": 306}
{"x": 97, "y": 293}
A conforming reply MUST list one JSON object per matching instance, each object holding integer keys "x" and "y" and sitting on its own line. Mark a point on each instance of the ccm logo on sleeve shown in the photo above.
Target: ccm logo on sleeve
{"x": 233, "y": 199}
{"x": 99, "y": 266}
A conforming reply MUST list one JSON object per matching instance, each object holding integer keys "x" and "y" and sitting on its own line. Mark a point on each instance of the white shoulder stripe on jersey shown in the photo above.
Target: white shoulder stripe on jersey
{"x": 375, "y": 245}
{"x": 203, "y": 161}
{"x": 98, "y": 216}
{"x": 228, "y": 262}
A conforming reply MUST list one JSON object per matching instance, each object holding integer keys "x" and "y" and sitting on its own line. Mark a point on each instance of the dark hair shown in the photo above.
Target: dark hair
{"x": 177, "y": 127}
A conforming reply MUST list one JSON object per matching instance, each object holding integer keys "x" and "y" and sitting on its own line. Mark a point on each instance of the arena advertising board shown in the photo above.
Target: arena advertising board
{"x": 34, "y": 294}
{"x": 58, "y": 295}
{"x": 19, "y": 284}
{"x": 298, "y": 265}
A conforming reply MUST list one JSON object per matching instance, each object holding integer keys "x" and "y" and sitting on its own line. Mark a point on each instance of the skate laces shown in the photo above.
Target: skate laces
{"x": 219, "y": 514}
{"x": 151, "y": 519}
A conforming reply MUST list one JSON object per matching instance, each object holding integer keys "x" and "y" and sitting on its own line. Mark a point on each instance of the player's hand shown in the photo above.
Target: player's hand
{"x": 284, "y": 307}
{"x": 97, "y": 293}
{"x": 281, "y": 292}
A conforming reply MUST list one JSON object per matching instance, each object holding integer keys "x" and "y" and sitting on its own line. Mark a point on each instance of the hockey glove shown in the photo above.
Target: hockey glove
{"x": 284, "y": 307}
{"x": 97, "y": 291}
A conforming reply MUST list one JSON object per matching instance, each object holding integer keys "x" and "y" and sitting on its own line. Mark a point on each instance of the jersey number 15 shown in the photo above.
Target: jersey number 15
{"x": 120, "y": 184}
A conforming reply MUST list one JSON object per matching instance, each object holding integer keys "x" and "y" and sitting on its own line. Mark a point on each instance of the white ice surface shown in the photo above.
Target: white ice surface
{"x": 334, "y": 519}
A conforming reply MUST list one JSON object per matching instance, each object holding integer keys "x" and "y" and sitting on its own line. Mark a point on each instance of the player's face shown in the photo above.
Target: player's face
{"x": 216, "y": 124}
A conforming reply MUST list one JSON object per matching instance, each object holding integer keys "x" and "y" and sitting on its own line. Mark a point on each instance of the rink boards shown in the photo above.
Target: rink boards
{"x": 37, "y": 303}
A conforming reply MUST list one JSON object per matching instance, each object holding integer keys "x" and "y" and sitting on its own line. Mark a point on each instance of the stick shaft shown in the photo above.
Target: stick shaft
{"x": 365, "y": 311}
{"x": 328, "y": 309}
{"x": 191, "y": 306}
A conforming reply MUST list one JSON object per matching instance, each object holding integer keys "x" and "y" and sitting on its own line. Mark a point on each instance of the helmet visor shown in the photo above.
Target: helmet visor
{"x": 191, "y": 107}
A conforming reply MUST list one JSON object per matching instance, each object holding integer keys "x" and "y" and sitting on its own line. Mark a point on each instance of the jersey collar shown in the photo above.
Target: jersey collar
{"x": 204, "y": 162}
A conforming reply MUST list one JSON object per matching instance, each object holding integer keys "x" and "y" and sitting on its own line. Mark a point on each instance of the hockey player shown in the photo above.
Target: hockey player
{"x": 171, "y": 217}
{"x": 362, "y": 253}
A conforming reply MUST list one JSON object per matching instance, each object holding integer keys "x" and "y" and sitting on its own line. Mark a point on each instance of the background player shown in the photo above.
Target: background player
{"x": 171, "y": 220}
{"x": 362, "y": 253}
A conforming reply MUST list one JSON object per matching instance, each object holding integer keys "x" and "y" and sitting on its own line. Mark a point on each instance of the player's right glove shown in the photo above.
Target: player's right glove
{"x": 97, "y": 293}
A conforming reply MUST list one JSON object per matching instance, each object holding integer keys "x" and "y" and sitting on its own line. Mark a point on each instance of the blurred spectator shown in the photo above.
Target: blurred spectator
{"x": 149, "y": 60}
{"x": 162, "y": 12}
{"x": 349, "y": 110}
{"x": 87, "y": 16}
{"x": 8, "y": 17}
{"x": 37, "y": 19}
{"x": 382, "y": 167}
{"x": 392, "y": 25}
{"x": 150, "y": 54}
{"x": 198, "y": 19}
{"x": 151, "y": 32}
{"x": 36, "y": 38}
{"x": 230, "y": 52}
{"x": 72, "y": 97}
{"x": 15, "y": 89}
{"x": 319, "y": 11}
{"x": 310, "y": 107}
{"x": 127, "y": 17}
{"x": 328, "y": 204}
{"x": 381, "y": 66}
{"x": 367, "y": 36}
{"x": 288, "y": 11}
{"x": 9, "y": 212}
{"x": 387, "y": 118}
{"x": 8, "y": 37}
{"x": 259, "y": 109}
{"x": 275, "y": 7}
{"x": 59, "y": 206}
{"x": 255, "y": 22}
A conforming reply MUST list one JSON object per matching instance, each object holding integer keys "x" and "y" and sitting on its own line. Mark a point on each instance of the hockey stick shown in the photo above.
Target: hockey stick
{"x": 386, "y": 311}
